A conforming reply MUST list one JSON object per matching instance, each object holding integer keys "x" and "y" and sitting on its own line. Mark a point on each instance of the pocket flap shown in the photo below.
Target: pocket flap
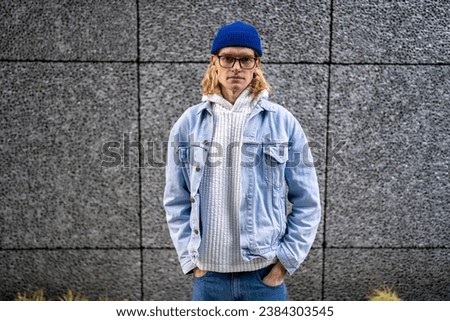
{"x": 278, "y": 152}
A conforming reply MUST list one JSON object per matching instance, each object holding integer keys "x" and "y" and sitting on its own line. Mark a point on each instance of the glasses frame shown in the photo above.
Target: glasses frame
{"x": 255, "y": 59}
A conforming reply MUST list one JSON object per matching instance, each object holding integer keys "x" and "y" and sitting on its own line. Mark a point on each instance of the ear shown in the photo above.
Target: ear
{"x": 258, "y": 62}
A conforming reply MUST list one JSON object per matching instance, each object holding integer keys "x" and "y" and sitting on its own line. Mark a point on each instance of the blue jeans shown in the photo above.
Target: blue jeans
{"x": 239, "y": 286}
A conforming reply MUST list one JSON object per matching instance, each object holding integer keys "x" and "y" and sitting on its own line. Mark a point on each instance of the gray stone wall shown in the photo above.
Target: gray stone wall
{"x": 368, "y": 80}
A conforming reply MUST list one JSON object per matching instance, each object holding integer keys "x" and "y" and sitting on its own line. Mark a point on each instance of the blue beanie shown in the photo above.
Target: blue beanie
{"x": 237, "y": 34}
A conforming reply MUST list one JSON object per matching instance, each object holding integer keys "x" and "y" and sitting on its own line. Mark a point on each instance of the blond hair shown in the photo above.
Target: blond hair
{"x": 210, "y": 82}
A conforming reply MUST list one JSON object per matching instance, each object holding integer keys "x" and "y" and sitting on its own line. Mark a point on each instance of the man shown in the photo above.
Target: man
{"x": 229, "y": 161}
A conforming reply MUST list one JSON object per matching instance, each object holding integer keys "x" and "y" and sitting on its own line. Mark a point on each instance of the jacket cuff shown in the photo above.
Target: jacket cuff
{"x": 288, "y": 261}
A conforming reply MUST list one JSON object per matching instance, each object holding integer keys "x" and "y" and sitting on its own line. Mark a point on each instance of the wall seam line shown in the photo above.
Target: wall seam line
{"x": 327, "y": 63}
{"x": 138, "y": 76}
{"x": 327, "y": 146}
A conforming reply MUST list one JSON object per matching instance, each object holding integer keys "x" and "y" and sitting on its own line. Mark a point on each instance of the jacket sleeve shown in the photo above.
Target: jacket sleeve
{"x": 303, "y": 193}
{"x": 177, "y": 202}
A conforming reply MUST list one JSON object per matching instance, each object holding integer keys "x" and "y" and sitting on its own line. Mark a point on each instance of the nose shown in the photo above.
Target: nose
{"x": 236, "y": 66}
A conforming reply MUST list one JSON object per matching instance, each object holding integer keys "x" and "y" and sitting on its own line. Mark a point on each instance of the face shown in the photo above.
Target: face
{"x": 234, "y": 80}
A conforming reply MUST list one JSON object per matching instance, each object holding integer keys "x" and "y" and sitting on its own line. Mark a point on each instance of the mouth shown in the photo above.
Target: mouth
{"x": 235, "y": 77}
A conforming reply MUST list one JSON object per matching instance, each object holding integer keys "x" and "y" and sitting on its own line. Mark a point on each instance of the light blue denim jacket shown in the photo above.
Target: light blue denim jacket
{"x": 274, "y": 154}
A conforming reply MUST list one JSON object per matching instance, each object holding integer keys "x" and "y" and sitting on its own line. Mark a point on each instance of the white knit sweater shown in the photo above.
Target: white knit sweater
{"x": 220, "y": 189}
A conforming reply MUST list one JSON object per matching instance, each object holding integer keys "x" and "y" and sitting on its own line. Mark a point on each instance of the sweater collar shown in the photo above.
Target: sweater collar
{"x": 241, "y": 104}
{"x": 260, "y": 102}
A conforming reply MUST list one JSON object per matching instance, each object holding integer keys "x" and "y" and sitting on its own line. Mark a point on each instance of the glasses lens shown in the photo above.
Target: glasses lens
{"x": 227, "y": 62}
{"x": 247, "y": 63}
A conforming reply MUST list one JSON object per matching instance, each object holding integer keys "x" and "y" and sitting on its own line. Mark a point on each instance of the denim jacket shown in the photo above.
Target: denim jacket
{"x": 276, "y": 164}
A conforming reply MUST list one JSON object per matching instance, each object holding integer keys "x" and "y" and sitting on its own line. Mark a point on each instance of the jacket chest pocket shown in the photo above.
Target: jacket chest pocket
{"x": 275, "y": 157}
{"x": 192, "y": 155}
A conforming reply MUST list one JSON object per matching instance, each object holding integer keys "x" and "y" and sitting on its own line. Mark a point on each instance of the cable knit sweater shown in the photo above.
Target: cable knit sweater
{"x": 220, "y": 188}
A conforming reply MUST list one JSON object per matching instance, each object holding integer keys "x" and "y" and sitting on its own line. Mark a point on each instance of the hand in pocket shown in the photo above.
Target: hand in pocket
{"x": 276, "y": 275}
{"x": 198, "y": 273}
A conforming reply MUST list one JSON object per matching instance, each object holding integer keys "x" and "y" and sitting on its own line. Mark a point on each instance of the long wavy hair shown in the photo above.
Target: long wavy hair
{"x": 210, "y": 82}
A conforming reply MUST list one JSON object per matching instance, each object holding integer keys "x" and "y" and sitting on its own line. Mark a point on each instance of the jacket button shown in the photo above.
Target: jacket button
{"x": 196, "y": 231}
{"x": 192, "y": 200}
{"x": 205, "y": 142}
{"x": 197, "y": 169}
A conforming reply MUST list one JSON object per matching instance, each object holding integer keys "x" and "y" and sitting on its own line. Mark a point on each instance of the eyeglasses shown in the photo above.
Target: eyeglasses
{"x": 244, "y": 62}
